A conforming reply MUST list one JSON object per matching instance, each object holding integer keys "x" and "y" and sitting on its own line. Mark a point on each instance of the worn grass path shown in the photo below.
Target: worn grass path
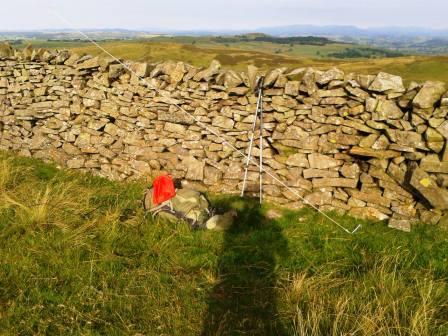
{"x": 77, "y": 257}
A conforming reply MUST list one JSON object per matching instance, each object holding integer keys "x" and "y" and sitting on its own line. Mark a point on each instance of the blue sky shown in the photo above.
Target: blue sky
{"x": 217, "y": 14}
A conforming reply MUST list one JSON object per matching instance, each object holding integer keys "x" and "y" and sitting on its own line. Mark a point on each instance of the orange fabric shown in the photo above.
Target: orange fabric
{"x": 163, "y": 189}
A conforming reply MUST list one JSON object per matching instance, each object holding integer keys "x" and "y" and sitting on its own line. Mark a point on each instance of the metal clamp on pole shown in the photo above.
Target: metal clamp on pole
{"x": 258, "y": 113}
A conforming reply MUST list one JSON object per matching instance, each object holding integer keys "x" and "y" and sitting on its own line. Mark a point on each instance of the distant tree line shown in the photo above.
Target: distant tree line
{"x": 69, "y": 40}
{"x": 365, "y": 53}
{"x": 307, "y": 40}
{"x": 13, "y": 42}
{"x": 88, "y": 41}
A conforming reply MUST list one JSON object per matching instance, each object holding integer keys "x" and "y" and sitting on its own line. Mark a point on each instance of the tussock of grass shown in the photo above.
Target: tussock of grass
{"x": 77, "y": 256}
{"x": 390, "y": 304}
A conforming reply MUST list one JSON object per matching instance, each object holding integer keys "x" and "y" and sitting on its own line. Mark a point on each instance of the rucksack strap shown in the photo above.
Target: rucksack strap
{"x": 162, "y": 206}
{"x": 167, "y": 207}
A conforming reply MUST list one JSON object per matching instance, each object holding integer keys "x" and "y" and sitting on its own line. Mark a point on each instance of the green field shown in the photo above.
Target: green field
{"x": 200, "y": 51}
{"x": 417, "y": 68}
{"x": 78, "y": 257}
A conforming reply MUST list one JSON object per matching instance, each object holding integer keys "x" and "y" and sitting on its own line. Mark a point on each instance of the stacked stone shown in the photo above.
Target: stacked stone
{"x": 357, "y": 144}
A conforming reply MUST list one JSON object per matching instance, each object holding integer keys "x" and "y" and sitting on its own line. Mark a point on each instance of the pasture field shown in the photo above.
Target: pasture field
{"x": 411, "y": 68}
{"x": 78, "y": 257}
{"x": 266, "y": 55}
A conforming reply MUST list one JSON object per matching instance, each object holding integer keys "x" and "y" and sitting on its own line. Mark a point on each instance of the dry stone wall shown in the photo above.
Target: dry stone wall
{"x": 358, "y": 144}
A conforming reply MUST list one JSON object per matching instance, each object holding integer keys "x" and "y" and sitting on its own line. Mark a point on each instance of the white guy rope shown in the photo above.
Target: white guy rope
{"x": 206, "y": 127}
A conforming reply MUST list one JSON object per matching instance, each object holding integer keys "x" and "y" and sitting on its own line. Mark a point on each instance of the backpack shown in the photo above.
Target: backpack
{"x": 189, "y": 205}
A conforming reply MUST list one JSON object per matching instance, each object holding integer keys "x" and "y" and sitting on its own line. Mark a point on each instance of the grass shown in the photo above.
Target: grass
{"x": 411, "y": 68}
{"x": 265, "y": 55}
{"x": 78, "y": 257}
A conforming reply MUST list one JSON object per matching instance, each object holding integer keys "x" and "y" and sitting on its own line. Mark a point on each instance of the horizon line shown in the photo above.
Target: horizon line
{"x": 205, "y": 29}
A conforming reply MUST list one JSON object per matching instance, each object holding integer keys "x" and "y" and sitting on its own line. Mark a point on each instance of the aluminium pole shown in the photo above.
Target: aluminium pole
{"x": 261, "y": 145}
{"x": 250, "y": 146}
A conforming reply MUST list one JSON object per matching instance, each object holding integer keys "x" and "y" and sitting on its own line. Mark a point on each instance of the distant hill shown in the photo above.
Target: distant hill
{"x": 294, "y": 30}
{"x": 283, "y": 31}
{"x": 401, "y": 39}
{"x": 410, "y": 40}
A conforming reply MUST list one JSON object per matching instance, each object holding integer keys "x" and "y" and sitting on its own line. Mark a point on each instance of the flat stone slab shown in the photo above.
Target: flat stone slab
{"x": 370, "y": 198}
{"x": 368, "y": 213}
{"x": 428, "y": 188}
{"x": 443, "y": 129}
{"x": 431, "y": 163}
{"x": 400, "y": 224}
{"x": 429, "y": 94}
{"x": 313, "y": 173}
{"x": 379, "y": 154}
{"x": 334, "y": 182}
{"x": 298, "y": 160}
{"x": 385, "y": 82}
{"x": 320, "y": 161}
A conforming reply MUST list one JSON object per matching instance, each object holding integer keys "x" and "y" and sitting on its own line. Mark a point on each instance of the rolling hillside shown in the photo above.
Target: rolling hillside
{"x": 200, "y": 51}
{"x": 418, "y": 68}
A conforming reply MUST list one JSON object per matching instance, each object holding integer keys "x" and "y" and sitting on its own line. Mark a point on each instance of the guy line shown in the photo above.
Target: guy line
{"x": 206, "y": 127}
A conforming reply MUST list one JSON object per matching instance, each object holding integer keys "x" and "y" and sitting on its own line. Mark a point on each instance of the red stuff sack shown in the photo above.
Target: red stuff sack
{"x": 163, "y": 189}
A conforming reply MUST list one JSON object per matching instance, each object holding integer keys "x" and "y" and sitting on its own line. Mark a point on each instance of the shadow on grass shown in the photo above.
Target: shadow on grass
{"x": 243, "y": 301}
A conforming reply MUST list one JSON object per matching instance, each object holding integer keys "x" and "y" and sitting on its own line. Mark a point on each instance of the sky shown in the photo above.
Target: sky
{"x": 219, "y": 15}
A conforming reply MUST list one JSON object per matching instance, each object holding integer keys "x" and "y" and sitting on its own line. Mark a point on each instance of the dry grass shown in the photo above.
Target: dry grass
{"x": 411, "y": 68}
{"x": 327, "y": 303}
{"x": 238, "y": 56}
{"x": 78, "y": 257}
